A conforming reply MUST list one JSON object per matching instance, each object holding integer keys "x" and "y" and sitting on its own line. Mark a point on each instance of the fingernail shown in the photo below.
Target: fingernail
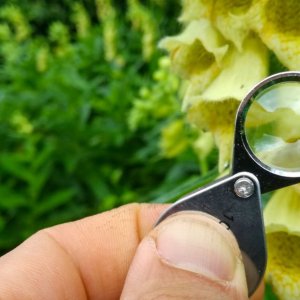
{"x": 196, "y": 243}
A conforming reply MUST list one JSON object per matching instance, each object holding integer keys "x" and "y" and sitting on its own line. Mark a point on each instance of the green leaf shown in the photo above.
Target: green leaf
{"x": 2, "y": 223}
{"x": 269, "y": 295}
{"x": 12, "y": 164}
{"x": 10, "y": 199}
{"x": 54, "y": 201}
{"x": 186, "y": 187}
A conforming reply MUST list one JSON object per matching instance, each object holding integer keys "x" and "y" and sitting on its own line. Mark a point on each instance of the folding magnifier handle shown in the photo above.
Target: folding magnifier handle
{"x": 235, "y": 200}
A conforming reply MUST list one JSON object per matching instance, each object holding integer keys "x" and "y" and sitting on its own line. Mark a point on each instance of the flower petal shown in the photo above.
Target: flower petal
{"x": 231, "y": 19}
{"x": 216, "y": 107}
{"x": 282, "y": 211}
{"x": 196, "y": 49}
{"x": 173, "y": 139}
{"x": 240, "y": 72}
{"x": 278, "y": 25}
{"x": 282, "y": 224}
{"x": 273, "y": 126}
{"x": 195, "y": 10}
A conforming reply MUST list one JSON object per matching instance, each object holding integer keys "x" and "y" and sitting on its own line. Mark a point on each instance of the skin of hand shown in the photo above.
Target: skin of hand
{"x": 119, "y": 255}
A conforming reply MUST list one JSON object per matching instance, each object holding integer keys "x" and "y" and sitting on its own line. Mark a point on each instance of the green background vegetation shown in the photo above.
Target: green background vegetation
{"x": 84, "y": 98}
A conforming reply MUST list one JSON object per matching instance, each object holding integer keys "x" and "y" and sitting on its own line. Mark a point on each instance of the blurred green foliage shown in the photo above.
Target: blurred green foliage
{"x": 84, "y": 97}
{"x": 269, "y": 294}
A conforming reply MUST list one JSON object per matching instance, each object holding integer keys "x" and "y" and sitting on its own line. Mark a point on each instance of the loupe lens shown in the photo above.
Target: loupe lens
{"x": 272, "y": 126}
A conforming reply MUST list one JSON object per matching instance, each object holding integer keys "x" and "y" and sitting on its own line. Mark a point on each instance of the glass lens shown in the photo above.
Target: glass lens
{"x": 272, "y": 126}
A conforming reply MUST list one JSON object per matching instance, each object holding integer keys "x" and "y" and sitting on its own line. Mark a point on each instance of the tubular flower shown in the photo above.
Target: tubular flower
{"x": 173, "y": 141}
{"x": 278, "y": 25}
{"x": 143, "y": 21}
{"x": 195, "y": 10}
{"x": 283, "y": 237}
{"x": 197, "y": 51}
{"x": 231, "y": 19}
{"x": 214, "y": 109}
{"x": 216, "y": 76}
{"x": 225, "y": 49}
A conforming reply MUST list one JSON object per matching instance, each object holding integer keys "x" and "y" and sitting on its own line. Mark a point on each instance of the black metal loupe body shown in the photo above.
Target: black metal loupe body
{"x": 235, "y": 200}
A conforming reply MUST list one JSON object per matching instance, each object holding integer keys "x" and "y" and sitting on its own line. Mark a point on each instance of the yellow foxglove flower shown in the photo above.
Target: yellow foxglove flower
{"x": 231, "y": 19}
{"x": 22, "y": 123}
{"x": 197, "y": 51}
{"x": 42, "y": 59}
{"x": 278, "y": 24}
{"x": 15, "y": 16}
{"x": 108, "y": 16}
{"x": 215, "y": 108}
{"x": 195, "y": 10}
{"x": 203, "y": 146}
{"x": 142, "y": 20}
{"x": 282, "y": 224}
{"x": 173, "y": 139}
{"x": 81, "y": 20}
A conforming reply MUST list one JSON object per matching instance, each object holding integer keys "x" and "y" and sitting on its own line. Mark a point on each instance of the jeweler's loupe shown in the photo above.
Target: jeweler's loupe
{"x": 266, "y": 156}
{"x": 272, "y": 126}
{"x": 267, "y": 132}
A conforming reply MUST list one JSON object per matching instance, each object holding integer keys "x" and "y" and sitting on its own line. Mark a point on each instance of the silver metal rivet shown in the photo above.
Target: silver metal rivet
{"x": 244, "y": 187}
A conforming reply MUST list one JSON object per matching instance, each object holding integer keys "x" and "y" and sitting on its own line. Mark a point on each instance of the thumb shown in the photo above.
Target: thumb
{"x": 188, "y": 256}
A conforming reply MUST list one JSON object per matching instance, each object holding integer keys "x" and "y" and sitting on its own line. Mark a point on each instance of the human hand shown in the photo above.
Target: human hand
{"x": 118, "y": 255}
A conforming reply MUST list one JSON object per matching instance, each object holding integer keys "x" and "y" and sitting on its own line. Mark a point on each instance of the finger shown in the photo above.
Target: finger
{"x": 86, "y": 259}
{"x": 188, "y": 256}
